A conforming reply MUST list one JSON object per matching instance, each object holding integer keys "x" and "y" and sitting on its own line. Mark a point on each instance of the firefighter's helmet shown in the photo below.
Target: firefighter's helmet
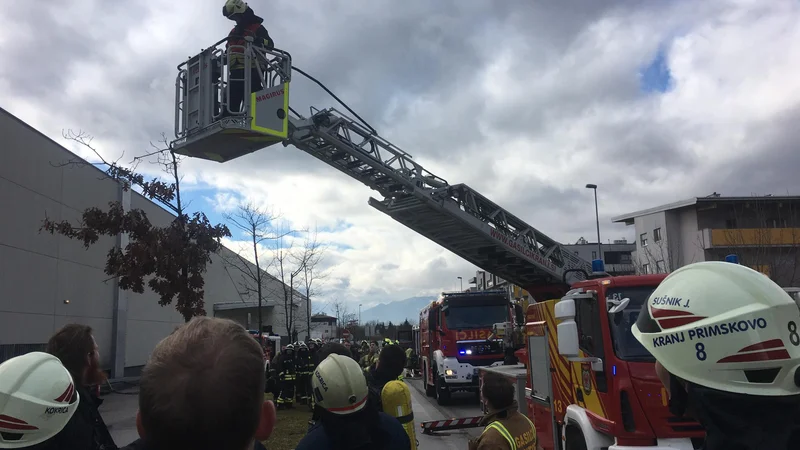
{"x": 339, "y": 385}
{"x": 37, "y": 399}
{"x": 233, "y": 7}
{"x": 289, "y": 348}
{"x": 726, "y": 327}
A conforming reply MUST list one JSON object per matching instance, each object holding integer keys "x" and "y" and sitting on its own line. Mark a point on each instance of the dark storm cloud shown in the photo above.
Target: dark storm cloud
{"x": 772, "y": 165}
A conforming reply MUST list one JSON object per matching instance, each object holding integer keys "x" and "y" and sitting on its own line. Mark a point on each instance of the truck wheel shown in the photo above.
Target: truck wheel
{"x": 442, "y": 391}
{"x": 575, "y": 439}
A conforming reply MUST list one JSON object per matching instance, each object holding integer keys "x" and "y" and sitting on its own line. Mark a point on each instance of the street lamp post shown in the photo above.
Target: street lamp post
{"x": 359, "y": 314}
{"x": 461, "y": 282}
{"x": 597, "y": 218}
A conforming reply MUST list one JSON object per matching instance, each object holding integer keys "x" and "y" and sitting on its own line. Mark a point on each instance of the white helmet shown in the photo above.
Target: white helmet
{"x": 233, "y": 7}
{"x": 726, "y": 327}
{"x": 37, "y": 399}
{"x": 339, "y": 385}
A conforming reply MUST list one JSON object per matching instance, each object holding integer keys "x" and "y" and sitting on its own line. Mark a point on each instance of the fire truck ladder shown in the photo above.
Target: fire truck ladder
{"x": 454, "y": 216}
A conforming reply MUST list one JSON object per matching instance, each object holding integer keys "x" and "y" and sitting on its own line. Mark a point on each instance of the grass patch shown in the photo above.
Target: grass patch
{"x": 291, "y": 427}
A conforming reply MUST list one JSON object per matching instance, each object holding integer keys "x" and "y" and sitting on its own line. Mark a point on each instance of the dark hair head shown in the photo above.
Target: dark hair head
{"x": 392, "y": 360}
{"x": 332, "y": 348}
{"x": 75, "y": 347}
{"x": 497, "y": 390}
{"x": 203, "y": 387}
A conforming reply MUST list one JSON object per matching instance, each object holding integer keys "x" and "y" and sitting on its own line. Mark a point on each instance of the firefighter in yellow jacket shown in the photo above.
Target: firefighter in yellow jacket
{"x": 505, "y": 428}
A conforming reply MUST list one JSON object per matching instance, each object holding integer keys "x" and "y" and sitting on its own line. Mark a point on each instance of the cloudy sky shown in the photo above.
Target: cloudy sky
{"x": 525, "y": 101}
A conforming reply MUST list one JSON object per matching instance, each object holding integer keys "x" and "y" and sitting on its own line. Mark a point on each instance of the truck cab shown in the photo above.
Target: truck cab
{"x": 603, "y": 392}
{"x": 455, "y": 340}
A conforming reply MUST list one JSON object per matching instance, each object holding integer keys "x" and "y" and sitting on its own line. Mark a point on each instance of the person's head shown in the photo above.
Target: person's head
{"x": 203, "y": 388}
{"x": 38, "y": 391}
{"x": 332, "y": 348}
{"x": 235, "y": 9}
{"x": 339, "y": 385}
{"x": 75, "y": 346}
{"x": 701, "y": 319}
{"x": 373, "y": 346}
{"x": 288, "y": 351}
{"x": 392, "y": 361}
{"x": 724, "y": 336}
{"x": 497, "y": 391}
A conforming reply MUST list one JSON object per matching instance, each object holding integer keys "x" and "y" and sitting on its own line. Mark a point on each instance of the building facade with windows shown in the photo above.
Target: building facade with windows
{"x": 763, "y": 231}
{"x": 617, "y": 256}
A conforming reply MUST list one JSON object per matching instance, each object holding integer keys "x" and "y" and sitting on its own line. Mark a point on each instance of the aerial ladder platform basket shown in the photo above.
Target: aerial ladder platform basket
{"x": 207, "y": 125}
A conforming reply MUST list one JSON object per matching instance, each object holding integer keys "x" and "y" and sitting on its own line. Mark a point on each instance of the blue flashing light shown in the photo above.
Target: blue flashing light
{"x": 462, "y": 352}
{"x": 614, "y": 370}
{"x": 732, "y": 258}
{"x": 598, "y": 266}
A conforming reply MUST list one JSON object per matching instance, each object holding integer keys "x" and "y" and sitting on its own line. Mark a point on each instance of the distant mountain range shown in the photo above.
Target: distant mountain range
{"x": 397, "y": 311}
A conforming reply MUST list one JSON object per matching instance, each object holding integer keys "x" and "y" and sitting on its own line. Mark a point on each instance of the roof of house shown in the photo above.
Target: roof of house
{"x": 628, "y": 218}
{"x": 321, "y": 317}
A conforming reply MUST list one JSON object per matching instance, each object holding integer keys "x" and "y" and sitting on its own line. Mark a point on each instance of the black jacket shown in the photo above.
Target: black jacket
{"x": 140, "y": 444}
{"x": 84, "y": 431}
{"x": 376, "y": 380}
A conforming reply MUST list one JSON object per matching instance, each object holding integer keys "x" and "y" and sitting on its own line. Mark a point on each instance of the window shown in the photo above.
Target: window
{"x": 625, "y": 258}
{"x": 594, "y": 255}
{"x": 776, "y": 223}
{"x": 645, "y": 268}
{"x": 590, "y": 334}
{"x": 657, "y": 234}
{"x": 660, "y": 267}
{"x": 643, "y": 239}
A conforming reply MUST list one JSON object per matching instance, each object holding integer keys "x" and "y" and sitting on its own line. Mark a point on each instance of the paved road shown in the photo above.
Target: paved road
{"x": 119, "y": 413}
{"x": 426, "y": 408}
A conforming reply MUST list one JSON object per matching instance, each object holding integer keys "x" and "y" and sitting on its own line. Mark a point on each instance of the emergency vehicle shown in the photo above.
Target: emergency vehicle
{"x": 592, "y": 384}
{"x": 455, "y": 333}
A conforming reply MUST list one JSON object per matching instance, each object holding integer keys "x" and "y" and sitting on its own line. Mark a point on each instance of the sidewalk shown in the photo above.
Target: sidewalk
{"x": 119, "y": 414}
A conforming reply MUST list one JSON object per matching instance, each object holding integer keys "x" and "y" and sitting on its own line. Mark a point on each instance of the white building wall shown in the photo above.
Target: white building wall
{"x": 647, "y": 256}
{"x": 39, "y": 271}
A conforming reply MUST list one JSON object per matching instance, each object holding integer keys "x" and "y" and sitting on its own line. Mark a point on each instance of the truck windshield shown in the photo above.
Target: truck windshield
{"x": 477, "y": 316}
{"x": 626, "y": 346}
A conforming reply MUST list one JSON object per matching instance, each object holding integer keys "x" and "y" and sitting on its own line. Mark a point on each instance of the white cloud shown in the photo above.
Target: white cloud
{"x": 526, "y": 102}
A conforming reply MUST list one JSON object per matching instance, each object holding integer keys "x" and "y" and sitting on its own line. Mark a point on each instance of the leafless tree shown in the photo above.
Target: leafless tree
{"x": 288, "y": 265}
{"x": 765, "y": 234}
{"x": 255, "y": 223}
{"x": 658, "y": 257}
{"x": 308, "y": 259}
{"x": 342, "y": 314}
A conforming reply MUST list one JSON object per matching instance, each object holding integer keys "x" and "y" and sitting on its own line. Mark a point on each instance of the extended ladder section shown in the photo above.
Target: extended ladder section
{"x": 454, "y": 216}
{"x": 208, "y": 125}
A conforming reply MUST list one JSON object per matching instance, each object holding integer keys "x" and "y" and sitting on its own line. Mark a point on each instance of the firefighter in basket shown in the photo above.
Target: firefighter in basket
{"x": 506, "y": 428}
{"x": 248, "y": 25}
{"x": 726, "y": 340}
{"x": 287, "y": 375}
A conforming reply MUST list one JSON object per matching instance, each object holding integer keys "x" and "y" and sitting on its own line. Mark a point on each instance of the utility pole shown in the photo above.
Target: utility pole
{"x": 597, "y": 218}
{"x": 461, "y": 281}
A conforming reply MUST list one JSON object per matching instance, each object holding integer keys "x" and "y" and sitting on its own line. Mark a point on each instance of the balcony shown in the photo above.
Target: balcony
{"x": 750, "y": 237}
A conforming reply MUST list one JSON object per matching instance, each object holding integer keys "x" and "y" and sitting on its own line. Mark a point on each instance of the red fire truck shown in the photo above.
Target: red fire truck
{"x": 455, "y": 333}
{"x": 590, "y": 384}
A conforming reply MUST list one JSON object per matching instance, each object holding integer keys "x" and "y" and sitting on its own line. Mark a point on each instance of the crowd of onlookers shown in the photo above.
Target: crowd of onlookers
{"x": 202, "y": 388}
